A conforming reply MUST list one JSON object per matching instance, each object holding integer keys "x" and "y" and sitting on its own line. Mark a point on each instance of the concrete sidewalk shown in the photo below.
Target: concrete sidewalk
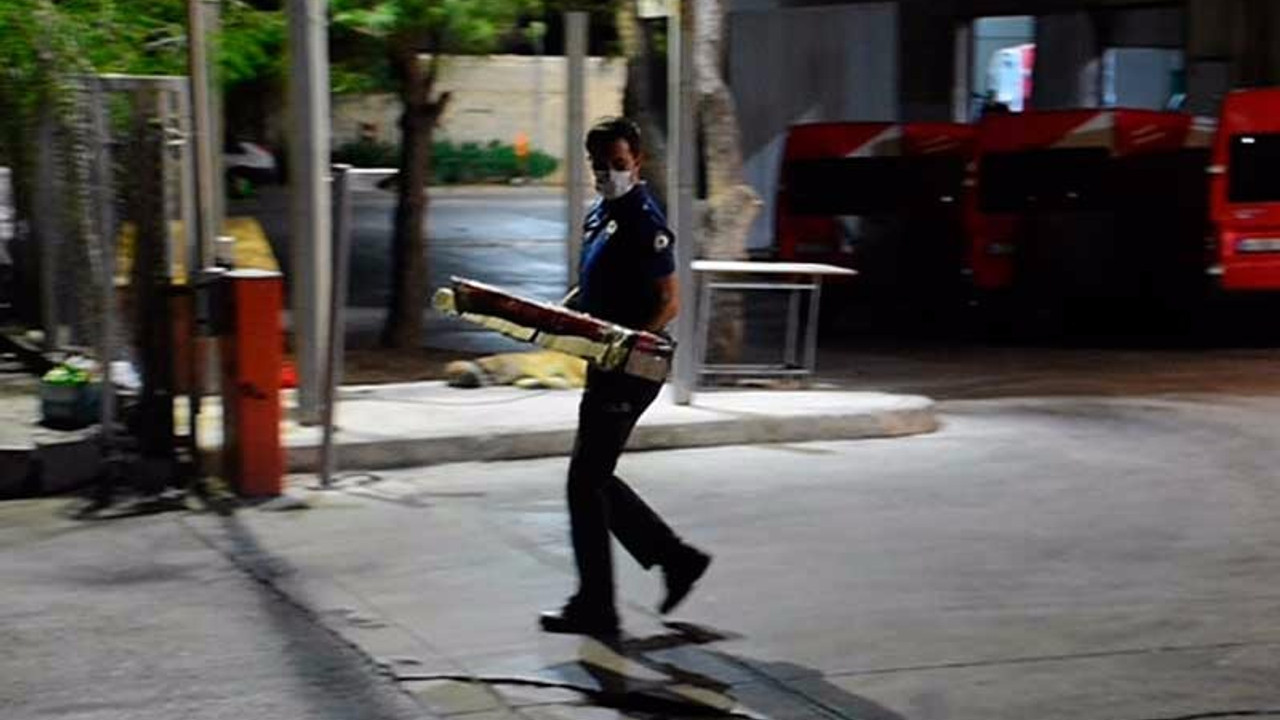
{"x": 134, "y": 618}
{"x": 429, "y": 423}
{"x": 1059, "y": 561}
{"x": 1051, "y": 559}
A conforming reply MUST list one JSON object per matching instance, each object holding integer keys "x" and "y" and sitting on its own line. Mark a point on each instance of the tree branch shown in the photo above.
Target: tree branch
{"x": 433, "y": 72}
{"x": 436, "y": 108}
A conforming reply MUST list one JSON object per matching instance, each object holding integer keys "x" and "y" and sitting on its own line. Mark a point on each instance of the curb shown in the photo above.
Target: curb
{"x": 915, "y": 418}
{"x": 50, "y": 466}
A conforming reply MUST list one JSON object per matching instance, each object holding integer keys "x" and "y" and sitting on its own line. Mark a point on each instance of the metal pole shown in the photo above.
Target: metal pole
{"x": 202, "y": 115}
{"x": 193, "y": 256}
{"x": 343, "y": 237}
{"x": 7, "y": 222}
{"x": 310, "y": 236}
{"x": 337, "y": 302}
{"x": 793, "y": 327}
{"x": 46, "y": 231}
{"x": 575, "y": 24}
{"x": 702, "y": 331}
{"x": 105, "y": 192}
{"x": 171, "y": 196}
{"x": 538, "y": 62}
{"x": 680, "y": 164}
{"x": 217, "y": 124}
{"x": 811, "y": 332}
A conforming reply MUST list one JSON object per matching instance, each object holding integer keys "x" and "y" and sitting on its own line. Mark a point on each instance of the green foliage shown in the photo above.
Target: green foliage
{"x": 541, "y": 164}
{"x": 367, "y": 32}
{"x": 145, "y": 37}
{"x": 128, "y": 36}
{"x": 38, "y": 50}
{"x": 367, "y": 154}
{"x": 452, "y": 164}
{"x": 251, "y": 44}
{"x": 348, "y": 79}
{"x": 470, "y": 163}
{"x": 45, "y": 43}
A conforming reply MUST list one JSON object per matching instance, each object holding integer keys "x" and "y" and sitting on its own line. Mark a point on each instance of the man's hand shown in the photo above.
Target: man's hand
{"x": 668, "y": 303}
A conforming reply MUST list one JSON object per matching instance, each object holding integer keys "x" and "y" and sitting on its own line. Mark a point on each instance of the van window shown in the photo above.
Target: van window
{"x": 1255, "y": 168}
{"x": 871, "y": 186}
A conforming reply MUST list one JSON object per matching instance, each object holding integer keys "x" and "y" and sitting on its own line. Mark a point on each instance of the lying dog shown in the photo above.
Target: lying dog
{"x": 542, "y": 369}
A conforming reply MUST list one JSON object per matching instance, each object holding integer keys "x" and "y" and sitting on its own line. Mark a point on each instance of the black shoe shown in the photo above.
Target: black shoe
{"x": 680, "y": 577}
{"x": 572, "y": 621}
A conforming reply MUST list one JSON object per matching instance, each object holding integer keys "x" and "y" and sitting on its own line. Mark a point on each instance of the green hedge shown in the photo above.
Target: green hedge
{"x": 453, "y": 164}
{"x": 367, "y": 154}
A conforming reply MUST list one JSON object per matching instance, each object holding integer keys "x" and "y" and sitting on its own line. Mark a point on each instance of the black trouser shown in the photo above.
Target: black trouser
{"x": 599, "y": 501}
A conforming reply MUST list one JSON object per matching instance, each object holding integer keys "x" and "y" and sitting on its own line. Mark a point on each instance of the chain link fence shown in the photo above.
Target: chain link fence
{"x": 87, "y": 197}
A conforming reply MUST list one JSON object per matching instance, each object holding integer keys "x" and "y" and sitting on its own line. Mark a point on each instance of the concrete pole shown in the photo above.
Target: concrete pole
{"x": 680, "y": 170}
{"x": 202, "y": 115}
{"x": 575, "y": 24}
{"x": 310, "y": 218}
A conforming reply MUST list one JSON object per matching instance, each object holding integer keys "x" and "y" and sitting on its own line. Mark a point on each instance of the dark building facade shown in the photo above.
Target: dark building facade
{"x": 921, "y": 60}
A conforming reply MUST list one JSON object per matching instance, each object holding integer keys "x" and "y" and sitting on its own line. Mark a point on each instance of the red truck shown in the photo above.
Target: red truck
{"x": 1089, "y": 210}
{"x": 884, "y": 199}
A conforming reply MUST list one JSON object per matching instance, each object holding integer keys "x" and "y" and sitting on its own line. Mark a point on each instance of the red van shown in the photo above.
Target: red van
{"x": 1244, "y": 181}
{"x": 1102, "y": 207}
{"x": 884, "y": 199}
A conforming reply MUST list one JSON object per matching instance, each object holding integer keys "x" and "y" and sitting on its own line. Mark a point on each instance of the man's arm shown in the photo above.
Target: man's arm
{"x": 668, "y": 303}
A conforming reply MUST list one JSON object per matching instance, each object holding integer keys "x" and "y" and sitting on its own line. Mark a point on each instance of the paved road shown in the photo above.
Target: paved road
{"x": 513, "y": 238}
{"x": 1064, "y": 559}
{"x": 1109, "y": 553}
{"x": 138, "y": 619}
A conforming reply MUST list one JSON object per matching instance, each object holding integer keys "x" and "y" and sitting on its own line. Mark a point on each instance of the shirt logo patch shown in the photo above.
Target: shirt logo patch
{"x": 661, "y": 242}
{"x": 611, "y": 228}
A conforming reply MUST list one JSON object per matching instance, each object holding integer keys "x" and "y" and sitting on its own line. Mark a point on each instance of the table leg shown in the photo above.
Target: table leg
{"x": 793, "y": 329}
{"x": 811, "y": 332}
{"x": 702, "y": 330}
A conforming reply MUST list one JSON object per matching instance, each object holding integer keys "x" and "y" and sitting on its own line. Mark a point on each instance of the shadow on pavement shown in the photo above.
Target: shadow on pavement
{"x": 340, "y": 682}
{"x": 683, "y": 678}
{"x": 671, "y": 674}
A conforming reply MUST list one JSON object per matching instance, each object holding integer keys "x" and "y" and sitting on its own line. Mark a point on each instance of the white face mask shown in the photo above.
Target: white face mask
{"x": 615, "y": 184}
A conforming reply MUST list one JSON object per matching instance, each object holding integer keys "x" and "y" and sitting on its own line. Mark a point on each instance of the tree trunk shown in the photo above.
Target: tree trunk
{"x": 731, "y": 205}
{"x": 638, "y": 102}
{"x": 403, "y": 328}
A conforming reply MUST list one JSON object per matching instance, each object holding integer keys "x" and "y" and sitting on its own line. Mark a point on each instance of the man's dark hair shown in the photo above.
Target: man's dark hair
{"x": 610, "y": 130}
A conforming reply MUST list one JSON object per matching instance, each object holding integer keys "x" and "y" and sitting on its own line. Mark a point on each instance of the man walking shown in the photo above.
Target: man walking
{"x": 627, "y": 277}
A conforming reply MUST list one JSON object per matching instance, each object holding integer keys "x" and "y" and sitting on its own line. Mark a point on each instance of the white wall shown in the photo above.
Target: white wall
{"x": 494, "y": 98}
{"x": 991, "y": 35}
{"x": 1140, "y": 77}
{"x": 807, "y": 64}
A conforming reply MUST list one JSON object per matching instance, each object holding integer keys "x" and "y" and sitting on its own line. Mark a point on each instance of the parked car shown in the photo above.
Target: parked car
{"x": 247, "y": 165}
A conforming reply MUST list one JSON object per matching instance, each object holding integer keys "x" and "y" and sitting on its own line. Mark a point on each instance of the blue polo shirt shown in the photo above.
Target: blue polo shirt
{"x": 626, "y": 248}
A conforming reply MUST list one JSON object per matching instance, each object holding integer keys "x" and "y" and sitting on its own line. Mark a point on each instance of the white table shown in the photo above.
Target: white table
{"x": 749, "y": 275}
